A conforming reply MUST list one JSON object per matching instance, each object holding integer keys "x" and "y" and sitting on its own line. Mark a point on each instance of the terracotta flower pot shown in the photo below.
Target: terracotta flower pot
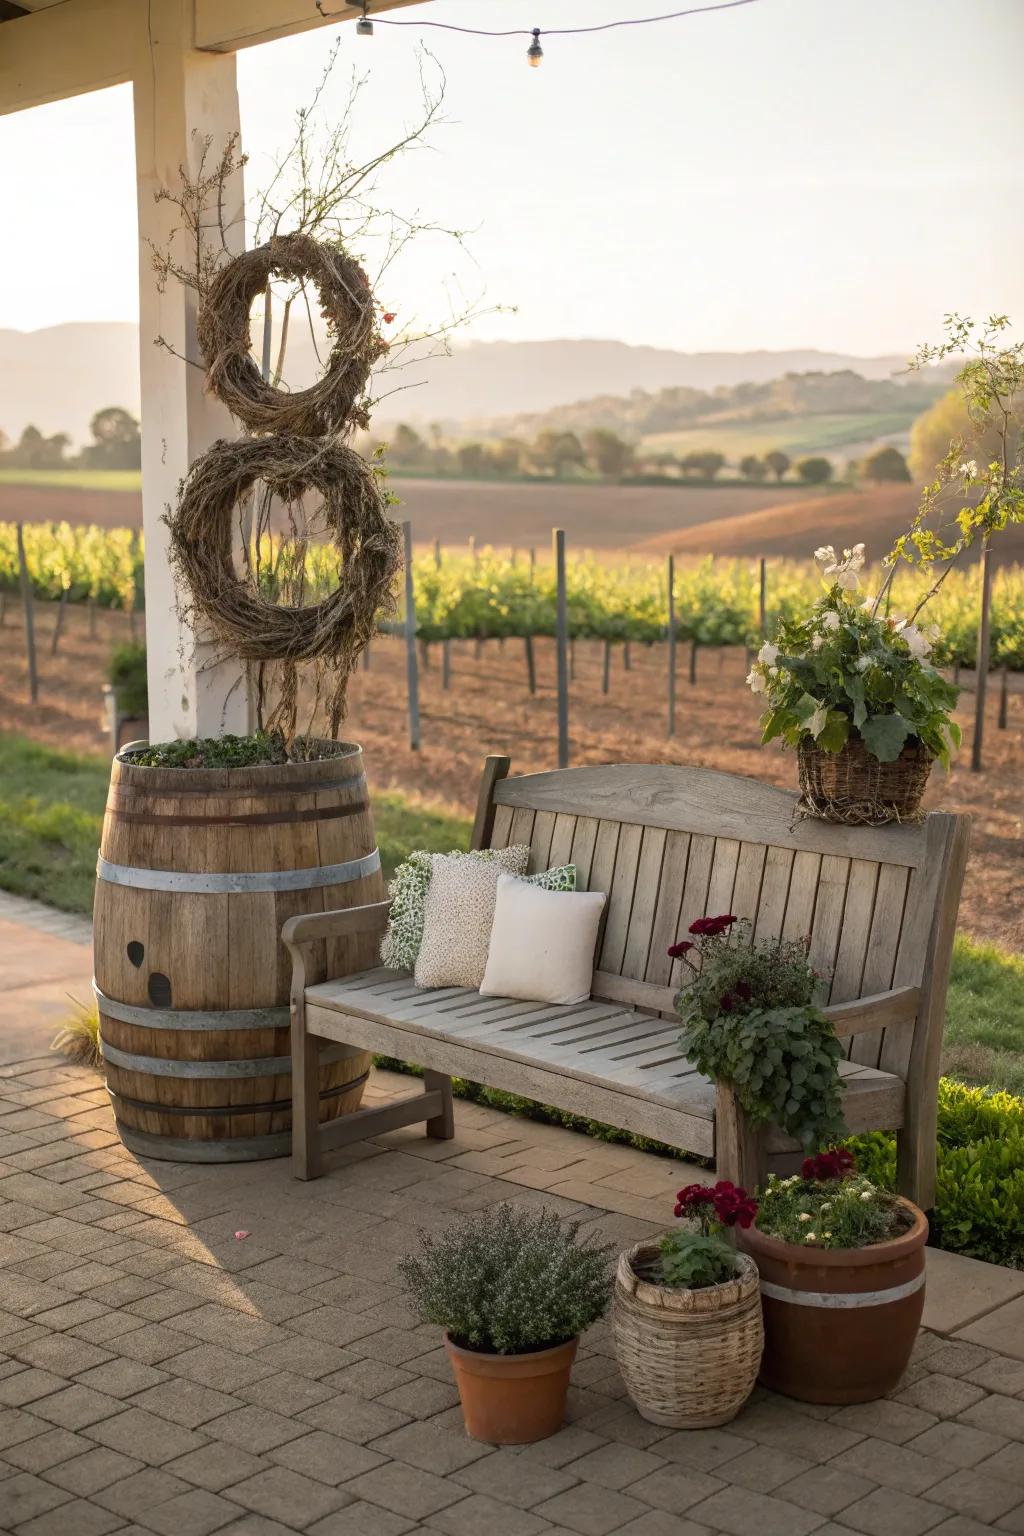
{"x": 839, "y": 1323}
{"x": 512, "y": 1399}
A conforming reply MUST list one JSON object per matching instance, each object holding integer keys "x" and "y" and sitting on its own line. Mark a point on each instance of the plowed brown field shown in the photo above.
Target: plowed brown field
{"x": 488, "y": 709}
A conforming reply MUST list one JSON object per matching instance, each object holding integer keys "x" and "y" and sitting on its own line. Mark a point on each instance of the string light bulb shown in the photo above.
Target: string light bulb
{"x": 535, "y": 52}
{"x": 364, "y": 26}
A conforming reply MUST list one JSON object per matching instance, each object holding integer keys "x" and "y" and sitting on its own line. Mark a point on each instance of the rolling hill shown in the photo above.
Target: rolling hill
{"x": 58, "y": 377}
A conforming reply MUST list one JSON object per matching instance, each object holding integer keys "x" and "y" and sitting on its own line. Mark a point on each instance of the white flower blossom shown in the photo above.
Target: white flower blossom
{"x": 811, "y": 1237}
{"x": 756, "y": 681}
{"x": 919, "y": 644}
{"x": 803, "y": 1216}
{"x": 866, "y": 1195}
{"x": 826, "y": 1234}
{"x": 830, "y": 619}
{"x": 969, "y": 468}
{"x": 862, "y": 663}
{"x": 817, "y": 641}
{"x": 826, "y": 555}
{"x": 847, "y": 578}
{"x": 768, "y": 653}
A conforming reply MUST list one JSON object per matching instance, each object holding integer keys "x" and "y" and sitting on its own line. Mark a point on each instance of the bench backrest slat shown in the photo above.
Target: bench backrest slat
{"x": 668, "y": 844}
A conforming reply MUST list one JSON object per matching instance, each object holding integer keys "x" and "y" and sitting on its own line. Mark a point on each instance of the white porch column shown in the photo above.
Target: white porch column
{"x": 182, "y": 97}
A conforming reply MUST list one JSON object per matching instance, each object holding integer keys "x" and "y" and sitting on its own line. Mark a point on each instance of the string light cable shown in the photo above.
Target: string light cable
{"x": 534, "y": 53}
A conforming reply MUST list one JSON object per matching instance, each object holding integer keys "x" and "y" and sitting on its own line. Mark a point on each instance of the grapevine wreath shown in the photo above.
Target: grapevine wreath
{"x": 346, "y": 302}
{"x": 243, "y": 620}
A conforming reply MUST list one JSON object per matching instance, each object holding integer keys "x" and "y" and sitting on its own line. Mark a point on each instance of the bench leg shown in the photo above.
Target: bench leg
{"x": 740, "y": 1153}
{"x": 441, "y": 1127}
{"x": 307, "y": 1160}
{"x": 916, "y": 1156}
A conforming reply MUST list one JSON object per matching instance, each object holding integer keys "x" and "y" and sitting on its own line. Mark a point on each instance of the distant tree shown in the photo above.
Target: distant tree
{"x": 814, "y": 471}
{"x": 885, "y": 464}
{"x": 507, "y": 456}
{"x": 557, "y": 452}
{"x": 778, "y": 462}
{"x": 407, "y": 450}
{"x": 607, "y": 454}
{"x": 753, "y": 468}
{"x": 34, "y": 451}
{"x": 705, "y": 462}
{"x": 117, "y": 443}
{"x": 472, "y": 459}
{"x": 946, "y": 421}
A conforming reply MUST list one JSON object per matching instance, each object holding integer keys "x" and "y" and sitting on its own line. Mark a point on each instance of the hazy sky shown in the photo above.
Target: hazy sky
{"x": 832, "y": 173}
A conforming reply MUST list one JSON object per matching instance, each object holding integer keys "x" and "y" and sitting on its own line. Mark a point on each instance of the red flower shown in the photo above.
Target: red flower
{"x": 388, "y": 316}
{"x": 690, "y": 1199}
{"x": 678, "y": 950}
{"x": 743, "y": 990}
{"x": 711, "y": 927}
{"x": 836, "y": 1163}
{"x": 733, "y": 1206}
{"x": 726, "y": 1002}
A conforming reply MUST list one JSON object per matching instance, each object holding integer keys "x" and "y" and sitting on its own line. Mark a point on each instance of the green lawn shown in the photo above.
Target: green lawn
{"x": 51, "y": 807}
{"x": 76, "y": 479}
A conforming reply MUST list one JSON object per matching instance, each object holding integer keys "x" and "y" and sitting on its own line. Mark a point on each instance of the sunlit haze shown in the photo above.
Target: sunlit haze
{"x": 828, "y": 173}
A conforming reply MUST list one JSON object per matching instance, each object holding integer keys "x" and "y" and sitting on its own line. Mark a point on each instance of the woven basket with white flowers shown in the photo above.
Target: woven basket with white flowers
{"x": 851, "y": 687}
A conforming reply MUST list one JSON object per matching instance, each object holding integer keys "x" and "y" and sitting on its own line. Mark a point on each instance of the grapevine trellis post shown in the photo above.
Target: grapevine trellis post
{"x": 671, "y": 645}
{"x": 982, "y": 659}
{"x": 562, "y": 646}
{"x": 411, "y": 665}
{"x": 762, "y": 597}
{"x": 30, "y": 629}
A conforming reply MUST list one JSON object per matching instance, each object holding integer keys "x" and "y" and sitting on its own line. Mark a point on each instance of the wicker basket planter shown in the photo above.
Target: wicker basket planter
{"x": 853, "y": 787}
{"x": 689, "y": 1358}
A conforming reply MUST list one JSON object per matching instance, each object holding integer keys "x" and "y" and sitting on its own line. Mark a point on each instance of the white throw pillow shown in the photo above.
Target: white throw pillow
{"x": 458, "y": 913}
{"x": 542, "y": 943}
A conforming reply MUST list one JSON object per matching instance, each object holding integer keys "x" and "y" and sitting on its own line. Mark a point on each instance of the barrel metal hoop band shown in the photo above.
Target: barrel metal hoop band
{"x": 841, "y": 1300}
{"x": 258, "y": 819}
{"x": 192, "y": 1018}
{"x": 228, "y": 1149}
{"x": 261, "y": 1066}
{"x": 217, "y": 882}
{"x": 258, "y": 791}
{"x": 196, "y": 1111}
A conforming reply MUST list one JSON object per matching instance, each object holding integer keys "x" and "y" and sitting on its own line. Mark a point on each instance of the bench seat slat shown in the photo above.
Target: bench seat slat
{"x": 577, "y": 1057}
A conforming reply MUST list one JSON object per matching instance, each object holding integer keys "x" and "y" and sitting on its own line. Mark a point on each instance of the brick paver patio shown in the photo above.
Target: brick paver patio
{"x": 159, "y": 1374}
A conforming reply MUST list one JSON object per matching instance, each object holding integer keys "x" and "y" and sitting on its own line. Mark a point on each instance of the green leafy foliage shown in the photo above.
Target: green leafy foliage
{"x": 846, "y": 670}
{"x": 509, "y": 1280}
{"x": 835, "y": 1213}
{"x": 127, "y": 673}
{"x": 496, "y": 597}
{"x": 749, "y": 1020}
{"x": 693, "y": 1259}
{"x": 979, "y": 1207}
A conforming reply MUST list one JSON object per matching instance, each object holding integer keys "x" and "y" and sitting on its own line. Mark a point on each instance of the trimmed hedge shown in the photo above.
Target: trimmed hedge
{"x": 980, "y": 1203}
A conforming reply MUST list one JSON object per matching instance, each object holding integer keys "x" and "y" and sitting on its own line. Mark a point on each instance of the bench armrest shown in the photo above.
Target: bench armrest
{"x": 882, "y": 1010}
{"x": 330, "y": 925}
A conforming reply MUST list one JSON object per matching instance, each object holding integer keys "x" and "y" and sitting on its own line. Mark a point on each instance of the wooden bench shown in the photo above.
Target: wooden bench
{"x": 667, "y": 844}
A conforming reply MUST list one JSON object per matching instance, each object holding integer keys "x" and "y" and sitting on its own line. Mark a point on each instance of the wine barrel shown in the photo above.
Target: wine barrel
{"x": 198, "y": 870}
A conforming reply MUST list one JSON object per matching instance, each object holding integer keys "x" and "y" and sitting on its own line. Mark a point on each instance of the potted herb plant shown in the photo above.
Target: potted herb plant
{"x": 749, "y": 1018}
{"x": 842, "y": 1270}
{"x": 851, "y": 687}
{"x": 687, "y": 1316}
{"x": 513, "y": 1290}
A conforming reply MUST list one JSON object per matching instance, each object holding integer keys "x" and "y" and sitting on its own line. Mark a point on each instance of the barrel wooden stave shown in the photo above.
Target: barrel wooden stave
{"x": 221, "y": 950}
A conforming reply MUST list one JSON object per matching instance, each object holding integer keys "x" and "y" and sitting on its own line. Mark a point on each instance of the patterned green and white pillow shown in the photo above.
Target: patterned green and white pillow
{"x": 411, "y": 881}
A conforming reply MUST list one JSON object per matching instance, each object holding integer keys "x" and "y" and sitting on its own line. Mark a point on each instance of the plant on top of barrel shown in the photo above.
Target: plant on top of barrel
{"x": 513, "y": 1289}
{"x": 701, "y": 1254}
{"x": 830, "y": 1205}
{"x": 749, "y": 1019}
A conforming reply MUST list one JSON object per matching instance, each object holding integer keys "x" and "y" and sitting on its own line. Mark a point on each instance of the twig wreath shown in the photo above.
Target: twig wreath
{"x": 244, "y": 621}
{"x": 346, "y": 302}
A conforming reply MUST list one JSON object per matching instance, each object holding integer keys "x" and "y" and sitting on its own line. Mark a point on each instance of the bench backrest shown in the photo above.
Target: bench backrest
{"x": 668, "y": 844}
